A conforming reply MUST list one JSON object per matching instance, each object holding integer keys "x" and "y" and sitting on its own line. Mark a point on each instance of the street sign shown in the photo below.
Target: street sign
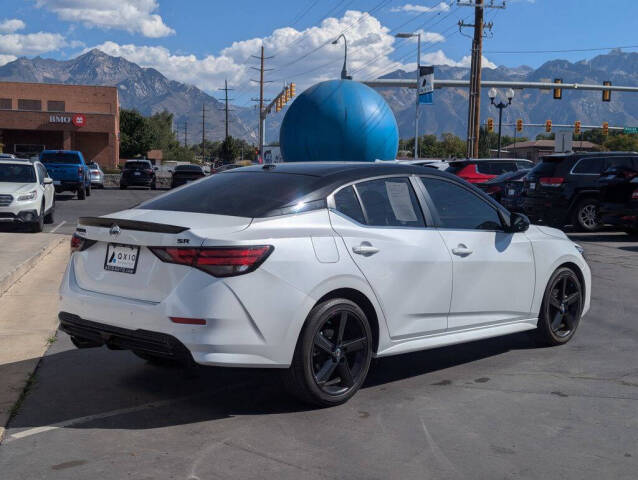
{"x": 630, "y": 130}
{"x": 426, "y": 85}
{"x": 563, "y": 142}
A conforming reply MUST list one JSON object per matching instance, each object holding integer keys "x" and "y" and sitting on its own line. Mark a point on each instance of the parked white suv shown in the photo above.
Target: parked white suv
{"x": 27, "y": 194}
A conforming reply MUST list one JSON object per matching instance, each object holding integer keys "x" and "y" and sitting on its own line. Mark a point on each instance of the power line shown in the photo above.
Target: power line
{"x": 561, "y": 51}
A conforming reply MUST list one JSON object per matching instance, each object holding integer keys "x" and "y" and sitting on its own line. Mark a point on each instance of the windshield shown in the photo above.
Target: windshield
{"x": 137, "y": 166}
{"x": 10, "y": 172}
{"x": 238, "y": 194}
{"x": 60, "y": 157}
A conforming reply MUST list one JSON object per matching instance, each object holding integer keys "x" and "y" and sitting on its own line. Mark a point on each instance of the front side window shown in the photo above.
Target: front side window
{"x": 459, "y": 208}
{"x": 390, "y": 202}
{"x": 347, "y": 203}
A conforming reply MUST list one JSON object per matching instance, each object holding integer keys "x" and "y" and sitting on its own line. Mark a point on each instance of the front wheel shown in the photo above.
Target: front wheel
{"x": 561, "y": 308}
{"x": 333, "y": 354}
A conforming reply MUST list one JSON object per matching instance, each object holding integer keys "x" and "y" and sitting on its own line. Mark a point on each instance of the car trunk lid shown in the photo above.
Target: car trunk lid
{"x": 108, "y": 267}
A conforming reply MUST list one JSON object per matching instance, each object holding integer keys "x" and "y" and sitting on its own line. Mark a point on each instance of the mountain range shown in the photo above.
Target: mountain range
{"x": 148, "y": 91}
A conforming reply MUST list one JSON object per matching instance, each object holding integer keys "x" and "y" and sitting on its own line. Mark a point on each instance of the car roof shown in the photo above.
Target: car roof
{"x": 588, "y": 154}
{"x": 16, "y": 160}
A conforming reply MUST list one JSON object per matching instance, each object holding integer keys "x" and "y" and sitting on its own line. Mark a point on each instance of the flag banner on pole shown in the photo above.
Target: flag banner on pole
{"x": 426, "y": 85}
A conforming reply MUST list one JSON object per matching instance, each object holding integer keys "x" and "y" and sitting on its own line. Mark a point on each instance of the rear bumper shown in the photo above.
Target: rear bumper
{"x": 620, "y": 214}
{"x": 66, "y": 185}
{"x": 136, "y": 182}
{"x": 93, "y": 334}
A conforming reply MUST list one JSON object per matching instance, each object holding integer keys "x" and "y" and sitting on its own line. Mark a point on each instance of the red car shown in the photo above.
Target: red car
{"x": 480, "y": 170}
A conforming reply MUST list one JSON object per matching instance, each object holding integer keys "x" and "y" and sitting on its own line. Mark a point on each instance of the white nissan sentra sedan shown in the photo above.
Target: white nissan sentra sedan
{"x": 316, "y": 268}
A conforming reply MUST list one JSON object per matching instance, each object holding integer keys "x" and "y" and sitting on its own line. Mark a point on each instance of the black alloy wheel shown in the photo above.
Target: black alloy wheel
{"x": 333, "y": 354}
{"x": 561, "y": 308}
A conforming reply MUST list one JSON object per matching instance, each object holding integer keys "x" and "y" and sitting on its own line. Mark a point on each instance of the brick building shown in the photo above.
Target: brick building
{"x": 37, "y": 116}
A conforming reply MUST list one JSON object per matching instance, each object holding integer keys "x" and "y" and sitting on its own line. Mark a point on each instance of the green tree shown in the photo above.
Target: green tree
{"x": 136, "y": 136}
{"x": 622, "y": 142}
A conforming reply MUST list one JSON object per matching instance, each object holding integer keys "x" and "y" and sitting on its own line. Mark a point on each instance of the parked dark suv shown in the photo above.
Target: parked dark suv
{"x": 619, "y": 197}
{"x": 138, "y": 173}
{"x": 564, "y": 188}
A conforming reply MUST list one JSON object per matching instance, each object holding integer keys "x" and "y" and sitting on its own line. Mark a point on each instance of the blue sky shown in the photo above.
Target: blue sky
{"x": 203, "y": 42}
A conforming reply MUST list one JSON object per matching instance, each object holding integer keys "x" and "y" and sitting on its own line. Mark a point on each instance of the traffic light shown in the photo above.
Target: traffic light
{"x": 278, "y": 104}
{"x": 558, "y": 92}
{"x": 577, "y": 127}
{"x": 519, "y": 125}
{"x": 292, "y": 90}
{"x": 607, "y": 93}
{"x": 490, "y": 125}
{"x": 548, "y": 126}
{"x": 605, "y": 128}
{"x": 286, "y": 94}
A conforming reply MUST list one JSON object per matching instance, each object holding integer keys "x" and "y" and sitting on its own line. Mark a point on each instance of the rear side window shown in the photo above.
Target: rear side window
{"x": 242, "y": 194}
{"x": 390, "y": 202}
{"x": 60, "y": 157}
{"x": 589, "y": 166}
{"x": 347, "y": 203}
{"x": 545, "y": 168}
{"x": 460, "y": 209}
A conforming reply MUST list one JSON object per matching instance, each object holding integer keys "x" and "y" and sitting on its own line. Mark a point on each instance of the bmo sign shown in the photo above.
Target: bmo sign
{"x": 77, "y": 120}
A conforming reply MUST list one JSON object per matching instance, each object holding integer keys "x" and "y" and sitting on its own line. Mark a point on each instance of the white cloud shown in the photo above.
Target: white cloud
{"x": 428, "y": 37}
{"x": 31, "y": 43}
{"x": 409, "y": 7}
{"x": 4, "y": 59}
{"x": 304, "y": 57}
{"x": 11, "y": 25}
{"x": 134, "y": 16}
{"x": 440, "y": 58}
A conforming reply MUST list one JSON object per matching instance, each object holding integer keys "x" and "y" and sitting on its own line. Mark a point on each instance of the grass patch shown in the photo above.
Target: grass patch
{"x": 52, "y": 339}
{"x": 27, "y": 386}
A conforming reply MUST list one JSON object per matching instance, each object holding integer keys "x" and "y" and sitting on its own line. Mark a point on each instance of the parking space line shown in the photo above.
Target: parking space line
{"x": 112, "y": 413}
{"x": 58, "y": 226}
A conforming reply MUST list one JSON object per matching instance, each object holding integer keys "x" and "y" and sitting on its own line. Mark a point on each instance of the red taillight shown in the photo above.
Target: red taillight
{"x": 148, "y": 172}
{"x": 629, "y": 174}
{"x": 634, "y": 195}
{"x": 551, "y": 181}
{"x": 79, "y": 244}
{"x": 95, "y": 171}
{"x": 218, "y": 261}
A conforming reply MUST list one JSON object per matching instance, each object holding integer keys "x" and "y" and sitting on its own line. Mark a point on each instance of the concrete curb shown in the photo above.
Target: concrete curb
{"x": 24, "y": 267}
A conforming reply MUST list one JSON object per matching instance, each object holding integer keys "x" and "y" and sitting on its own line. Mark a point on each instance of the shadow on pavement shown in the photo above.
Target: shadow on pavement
{"x": 71, "y": 384}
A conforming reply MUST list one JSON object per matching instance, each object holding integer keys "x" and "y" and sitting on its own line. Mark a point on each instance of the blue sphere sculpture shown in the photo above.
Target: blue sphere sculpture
{"x": 339, "y": 120}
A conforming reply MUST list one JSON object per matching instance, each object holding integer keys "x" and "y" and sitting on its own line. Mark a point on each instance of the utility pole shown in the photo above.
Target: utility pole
{"x": 203, "y": 132}
{"x": 474, "y": 108}
{"x": 185, "y": 131}
{"x": 262, "y": 116}
{"x": 226, "y": 99}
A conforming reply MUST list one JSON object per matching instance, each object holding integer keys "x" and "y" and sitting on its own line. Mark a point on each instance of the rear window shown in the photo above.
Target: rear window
{"x": 496, "y": 168}
{"x": 241, "y": 194}
{"x": 188, "y": 168}
{"x": 60, "y": 157}
{"x": 137, "y": 165}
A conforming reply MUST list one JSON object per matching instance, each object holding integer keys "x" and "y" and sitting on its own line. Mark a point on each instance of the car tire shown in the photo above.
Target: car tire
{"x": 333, "y": 354}
{"x": 81, "y": 193}
{"x": 153, "y": 185}
{"x": 88, "y": 191}
{"x": 561, "y": 309}
{"x": 585, "y": 216}
{"x": 38, "y": 225}
{"x": 122, "y": 187}
{"x": 48, "y": 218}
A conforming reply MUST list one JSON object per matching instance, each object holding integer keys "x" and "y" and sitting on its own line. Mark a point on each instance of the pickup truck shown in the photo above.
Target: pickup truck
{"x": 68, "y": 170}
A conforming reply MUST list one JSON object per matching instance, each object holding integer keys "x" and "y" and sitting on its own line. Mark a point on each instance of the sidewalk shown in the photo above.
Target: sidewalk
{"x": 28, "y": 315}
{"x": 20, "y": 251}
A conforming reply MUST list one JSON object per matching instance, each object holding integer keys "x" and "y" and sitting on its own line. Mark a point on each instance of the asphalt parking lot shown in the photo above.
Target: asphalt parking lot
{"x": 500, "y": 408}
{"x": 101, "y": 202}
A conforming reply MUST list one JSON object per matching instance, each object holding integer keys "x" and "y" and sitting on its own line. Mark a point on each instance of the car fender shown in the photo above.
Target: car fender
{"x": 579, "y": 195}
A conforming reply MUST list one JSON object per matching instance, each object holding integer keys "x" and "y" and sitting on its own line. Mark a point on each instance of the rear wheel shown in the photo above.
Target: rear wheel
{"x": 122, "y": 187}
{"x": 81, "y": 193}
{"x": 153, "y": 185}
{"x": 333, "y": 354}
{"x": 88, "y": 191}
{"x": 586, "y": 216}
{"x": 561, "y": 308}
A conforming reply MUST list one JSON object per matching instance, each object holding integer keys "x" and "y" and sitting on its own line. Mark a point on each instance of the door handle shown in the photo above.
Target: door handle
{"x": 366, "y": 249}
{"x": 461, "y": 250}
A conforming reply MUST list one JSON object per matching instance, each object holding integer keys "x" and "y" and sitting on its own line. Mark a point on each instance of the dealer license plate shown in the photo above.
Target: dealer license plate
{"x": 121, "y": 258}
{"x": 57, "y": 182}
{"x": 511, "y": 192}
{"x": 532, "y": 186}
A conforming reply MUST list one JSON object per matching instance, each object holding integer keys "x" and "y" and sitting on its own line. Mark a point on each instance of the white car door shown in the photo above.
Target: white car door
{"x": 49, "y": 190}
{"x": 405, "y": 262}
{"x": 493, "y": 271}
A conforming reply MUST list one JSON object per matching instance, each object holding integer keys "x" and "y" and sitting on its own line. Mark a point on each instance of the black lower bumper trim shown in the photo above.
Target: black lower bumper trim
{"x": 88, "y": 333}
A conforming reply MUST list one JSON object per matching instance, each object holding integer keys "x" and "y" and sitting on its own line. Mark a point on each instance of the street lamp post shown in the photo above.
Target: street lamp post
{"x": 501, "y": 106}
{"x": 418, "y": 67}
{"x": 344, "y": 70}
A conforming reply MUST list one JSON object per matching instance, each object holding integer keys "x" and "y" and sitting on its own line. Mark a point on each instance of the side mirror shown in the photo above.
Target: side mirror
{"x": 48, "y": 181}
{"x": 518, "y": 223}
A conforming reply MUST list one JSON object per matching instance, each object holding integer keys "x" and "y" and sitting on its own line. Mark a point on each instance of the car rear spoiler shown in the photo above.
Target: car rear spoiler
{"x": 124, "y": 224}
